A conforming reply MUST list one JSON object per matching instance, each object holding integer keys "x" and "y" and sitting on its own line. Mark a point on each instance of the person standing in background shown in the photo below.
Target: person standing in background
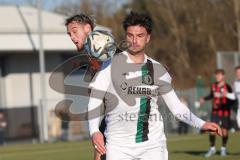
{"x": 3, "y": 125}
{"x": 236, "y": 88}
{"x": 221, "y": 96}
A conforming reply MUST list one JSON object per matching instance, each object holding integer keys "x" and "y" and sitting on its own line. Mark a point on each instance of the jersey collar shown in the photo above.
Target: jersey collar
{"x": 130, "y": 61}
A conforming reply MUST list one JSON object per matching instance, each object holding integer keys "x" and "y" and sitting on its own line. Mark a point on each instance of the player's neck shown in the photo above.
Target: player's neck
{"x": 137, "y": 58}
{"x": 221, "y": 83}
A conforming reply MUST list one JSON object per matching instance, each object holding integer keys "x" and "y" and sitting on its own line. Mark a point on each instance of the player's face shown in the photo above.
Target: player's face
{"x": 237, "y": 73}
{"x": 219, "y": 77}
{"x": 138, "y": 37}
{"x": 78, "y": 33}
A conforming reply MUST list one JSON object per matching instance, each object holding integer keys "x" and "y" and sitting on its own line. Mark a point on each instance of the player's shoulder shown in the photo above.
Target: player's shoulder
{"x": 153, "y": 60}
{"x": 120, "y": 53}
{"x": 214, "y": 85}
{"x": 115, "y": 60}
{"x": 119, "y": 58}
{"x": 158, "y": 64}
{"x": 161, "y": 68}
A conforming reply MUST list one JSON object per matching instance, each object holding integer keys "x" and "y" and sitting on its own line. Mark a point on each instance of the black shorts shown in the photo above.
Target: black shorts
{"x": 102, "y": 129}
{"x": 222, "y": 121}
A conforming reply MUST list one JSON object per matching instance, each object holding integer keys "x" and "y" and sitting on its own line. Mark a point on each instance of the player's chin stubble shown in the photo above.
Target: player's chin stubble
{"x": 135, "y": 52}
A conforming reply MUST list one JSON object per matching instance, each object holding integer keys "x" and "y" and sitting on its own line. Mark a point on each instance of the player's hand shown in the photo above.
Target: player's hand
{"x": 212, "y": 128}
{"x": 98, "y": 142}
{"x": 225, "y": 93}
{"x": 201, "y": 101}
{"x": 97, "y": 155}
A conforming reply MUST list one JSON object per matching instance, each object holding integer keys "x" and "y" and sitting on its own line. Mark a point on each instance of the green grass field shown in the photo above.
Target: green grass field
{"x": 190, "y": 147}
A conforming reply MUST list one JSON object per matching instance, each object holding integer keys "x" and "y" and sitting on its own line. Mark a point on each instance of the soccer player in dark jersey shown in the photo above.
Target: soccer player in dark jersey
{"x": 220, "y": 95}
{"x": 78, "y": 28}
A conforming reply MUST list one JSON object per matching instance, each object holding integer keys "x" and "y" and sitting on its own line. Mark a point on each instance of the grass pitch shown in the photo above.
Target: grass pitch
{"x": 186, "y": 147}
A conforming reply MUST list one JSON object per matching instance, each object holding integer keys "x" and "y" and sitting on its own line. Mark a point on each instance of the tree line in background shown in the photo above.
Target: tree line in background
{"x": 186, "y": 34}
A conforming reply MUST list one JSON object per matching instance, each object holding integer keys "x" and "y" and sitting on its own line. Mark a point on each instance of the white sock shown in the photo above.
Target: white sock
{"x": 223, "y": 148}
{"x": 213, "y": 148}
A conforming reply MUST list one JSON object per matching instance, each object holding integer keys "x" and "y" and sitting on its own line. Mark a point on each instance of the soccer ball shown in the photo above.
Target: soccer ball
{"x": 100, "y": 44}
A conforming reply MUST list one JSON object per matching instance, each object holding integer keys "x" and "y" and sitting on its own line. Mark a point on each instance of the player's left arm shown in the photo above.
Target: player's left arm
{"x": 230, "y": 94}
{"x": 182, "y": 112}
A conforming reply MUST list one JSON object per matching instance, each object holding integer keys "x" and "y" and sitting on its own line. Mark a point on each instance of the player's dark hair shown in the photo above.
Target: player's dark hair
{"x": 82, "y": 19}
{"x": 135, "y": 18}
{"x": 219, "y": 71}
{"x": 237, "y": 67}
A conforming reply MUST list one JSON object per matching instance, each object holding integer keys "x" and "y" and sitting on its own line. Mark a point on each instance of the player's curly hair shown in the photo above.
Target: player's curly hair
{"x": 135, "y": 18}
{"x": 82, "y": 19}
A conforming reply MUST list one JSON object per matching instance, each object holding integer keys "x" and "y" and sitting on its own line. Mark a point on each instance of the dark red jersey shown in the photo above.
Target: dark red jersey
{"x": 221, "y": 104}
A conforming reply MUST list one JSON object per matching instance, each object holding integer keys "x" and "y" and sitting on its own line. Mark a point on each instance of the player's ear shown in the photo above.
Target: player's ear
{"x": 87, "y": 28}
{"x": 148, "y": 38}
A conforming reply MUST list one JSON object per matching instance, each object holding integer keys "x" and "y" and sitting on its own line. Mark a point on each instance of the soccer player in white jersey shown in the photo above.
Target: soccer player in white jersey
{"x": 236, "y": 88}
{"x": 132, "y": 129}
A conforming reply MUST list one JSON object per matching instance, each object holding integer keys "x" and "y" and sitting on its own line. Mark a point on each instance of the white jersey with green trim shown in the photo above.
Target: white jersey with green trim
{"x": 140, "y": 123}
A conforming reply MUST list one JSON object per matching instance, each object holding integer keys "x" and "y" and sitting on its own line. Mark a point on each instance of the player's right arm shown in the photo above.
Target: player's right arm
{"x": 99, "y": 86}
